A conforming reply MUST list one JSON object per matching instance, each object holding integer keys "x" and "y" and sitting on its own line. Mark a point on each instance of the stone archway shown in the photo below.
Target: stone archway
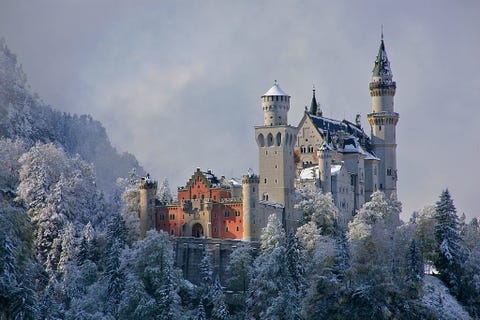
{"x": 197, "y": 230}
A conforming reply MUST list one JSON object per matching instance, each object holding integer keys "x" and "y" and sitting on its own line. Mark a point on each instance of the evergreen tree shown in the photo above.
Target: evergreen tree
{"x": 414, "y": 272}
{"x": 164, "y": 193}
{"x": 319, "y": 208}
{"x": 220, "y": 309}
{"x": 273, "y": 235}
{"x": 200, "y": 312}
{"x": 450, "y": 254}
{"x": 239, "y": 267}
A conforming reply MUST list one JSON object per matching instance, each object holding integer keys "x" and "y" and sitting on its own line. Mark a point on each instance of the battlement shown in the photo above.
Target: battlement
{"x": 147, "y": 183}
{"x": 250, "y": 178}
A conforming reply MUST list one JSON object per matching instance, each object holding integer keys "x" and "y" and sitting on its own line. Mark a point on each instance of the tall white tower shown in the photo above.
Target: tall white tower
{"x": 383, "y": 121}
{"x": 276, "y": 140}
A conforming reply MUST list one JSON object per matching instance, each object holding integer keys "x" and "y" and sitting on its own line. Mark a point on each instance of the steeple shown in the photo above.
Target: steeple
{"x": 313, "y": 104}
{"x": 382, "y": 65}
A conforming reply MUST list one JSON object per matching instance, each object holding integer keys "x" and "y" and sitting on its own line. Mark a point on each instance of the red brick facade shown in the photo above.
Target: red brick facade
{"x": 205, "y": 208}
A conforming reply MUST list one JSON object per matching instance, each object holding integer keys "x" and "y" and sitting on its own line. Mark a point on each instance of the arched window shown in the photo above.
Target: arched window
{"x": 270, "y": 140}
{"x": 310, "y": 149}
{"x": 261, "y": 140}
{"x": 279, "y": 139}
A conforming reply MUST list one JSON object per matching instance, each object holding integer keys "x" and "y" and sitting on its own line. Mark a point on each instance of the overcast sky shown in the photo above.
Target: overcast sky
{"x": 178, "y": 83}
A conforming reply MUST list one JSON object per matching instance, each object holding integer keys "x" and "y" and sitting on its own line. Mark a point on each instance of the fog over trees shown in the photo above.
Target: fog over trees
{"x": 70, "y": 247}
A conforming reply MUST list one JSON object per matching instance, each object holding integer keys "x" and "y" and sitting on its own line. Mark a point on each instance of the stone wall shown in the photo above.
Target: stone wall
{"x": 189, "y": 253}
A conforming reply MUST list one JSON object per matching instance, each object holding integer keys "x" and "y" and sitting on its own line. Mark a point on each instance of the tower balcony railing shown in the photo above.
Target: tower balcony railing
{"x": 382, "y": 84}
{"x": 383, "y": 114}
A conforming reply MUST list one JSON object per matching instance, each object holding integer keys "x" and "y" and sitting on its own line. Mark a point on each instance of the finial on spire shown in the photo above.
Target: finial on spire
{"x": 382, "y": 32}
{"x": 313, "y": 86}
{"x": 275, "y": 82}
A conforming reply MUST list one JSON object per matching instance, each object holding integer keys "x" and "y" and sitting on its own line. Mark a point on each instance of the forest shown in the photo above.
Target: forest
{"x": 70, "y": 245}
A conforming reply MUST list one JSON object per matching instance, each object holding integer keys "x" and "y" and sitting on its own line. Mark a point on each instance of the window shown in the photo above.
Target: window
{"x": 237, "y": 213}
{"x": 172, "y": 216}
{"x": 238, "y": 228}
{"x": 270, "y": 140}
{"x": 279, "y": 139}
{"x": 389, "y": 171}
{"x": 265, "y": 180}
{"x": 226, "y": 229}
{"x": 162, "y": 217}
{"x": 379, "y": 128}
{"x": 172, "y": 232}
{"x": 227, "y": 214}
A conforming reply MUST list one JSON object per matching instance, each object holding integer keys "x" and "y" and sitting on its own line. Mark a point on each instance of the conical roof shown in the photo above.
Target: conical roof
{"x": 382, "y": 65}
{"x": 276, "y": 91}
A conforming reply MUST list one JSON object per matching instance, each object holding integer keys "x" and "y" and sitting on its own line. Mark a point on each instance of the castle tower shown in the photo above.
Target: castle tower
{"x": 250, "y": 183}
{"x": 276, "y": 141}
{"x": 383, "y": 121}
{"x": 325, "y": 167}
{"x": 147, "y": 192}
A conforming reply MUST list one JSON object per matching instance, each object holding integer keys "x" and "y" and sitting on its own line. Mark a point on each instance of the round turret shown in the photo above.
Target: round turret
{"x": 275, "y": 105}
{"x": 250, "y": 183}
{"x": 147, "y": 191}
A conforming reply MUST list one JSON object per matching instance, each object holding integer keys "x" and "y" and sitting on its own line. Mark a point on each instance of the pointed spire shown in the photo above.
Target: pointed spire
{"x": 313, "y": 104}
{"x": 382, "y": 65}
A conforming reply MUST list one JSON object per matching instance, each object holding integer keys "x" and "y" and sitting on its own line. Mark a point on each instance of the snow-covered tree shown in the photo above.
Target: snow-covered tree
{"x": 309, "y": 235}
{"x": 450, "y": 253}
{"x": 18, "y": 299}
{"x": 319, "y": 208}
{"x": 239, "y": 267}
{"x": 414, "y": 272}
{"x": 273, "y": 235}
{"x": 273, "y": 292}
{"x": 200, "y": 312}
{"x": 164, "y": 193}
{"x": 425, "y": 233}
{"x": 150, "y": 286}
{"x": 130, "y": 210}
{"x": 10, "y": 153}
{"x": 220, "y": 309}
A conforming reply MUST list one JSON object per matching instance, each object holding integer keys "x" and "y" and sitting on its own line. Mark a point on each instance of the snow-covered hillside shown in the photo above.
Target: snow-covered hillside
{"x": 437, "y": 299}
{"x": 24, "y": 115}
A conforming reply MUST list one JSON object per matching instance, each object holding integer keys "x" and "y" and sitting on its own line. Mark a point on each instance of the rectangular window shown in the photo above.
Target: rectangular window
{"x": 172, "y": 217}
{"x": 227, "y": 214}
{"x": 162, "y": 217}
{"x": 389, "y": 172}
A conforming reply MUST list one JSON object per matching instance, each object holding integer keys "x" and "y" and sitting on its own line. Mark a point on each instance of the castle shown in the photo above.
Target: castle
{"x": 336, "y": 156}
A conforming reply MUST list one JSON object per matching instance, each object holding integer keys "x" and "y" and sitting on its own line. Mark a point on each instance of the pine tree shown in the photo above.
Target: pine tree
{"x": 200, "y": 312}
{"x": 414, "y": 272}
{"x": 220, "y": 309}
{"x": 239, "y": 267}
{"x": 164, "y": 193}
{"x": 273, "y": 235}
{"x": 450, "y": 254}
